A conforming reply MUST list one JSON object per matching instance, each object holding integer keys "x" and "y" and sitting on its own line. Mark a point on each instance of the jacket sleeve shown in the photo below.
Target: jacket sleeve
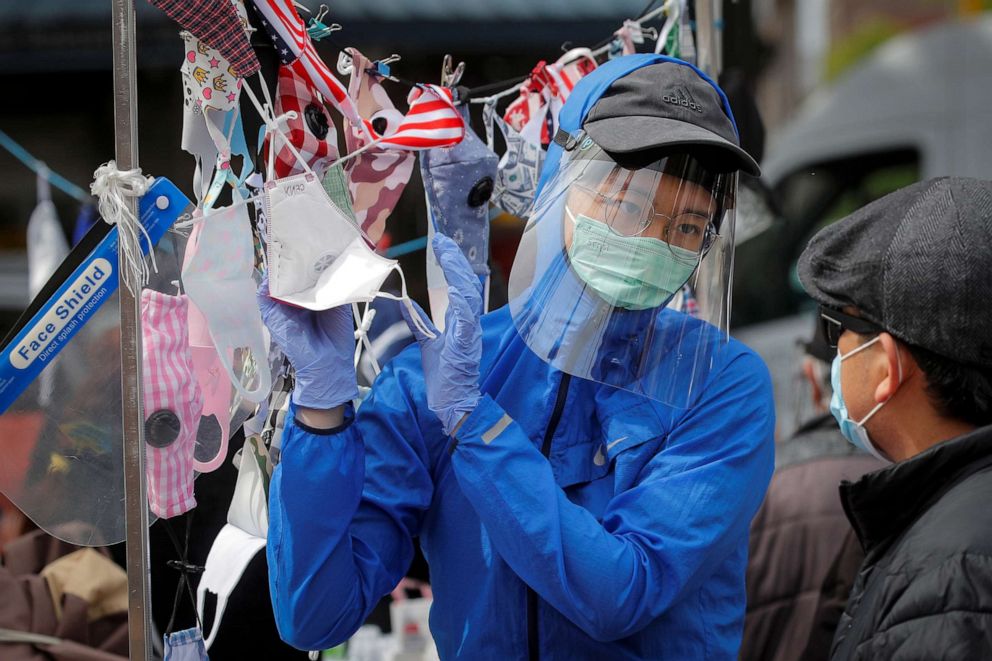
{"x": 689, "y": 509}
{"x": 343, "y": 510}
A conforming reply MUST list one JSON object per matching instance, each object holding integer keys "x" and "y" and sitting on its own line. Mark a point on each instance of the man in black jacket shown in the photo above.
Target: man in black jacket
{"x": 905, "y": 285}
{"x": 800, "y": 532}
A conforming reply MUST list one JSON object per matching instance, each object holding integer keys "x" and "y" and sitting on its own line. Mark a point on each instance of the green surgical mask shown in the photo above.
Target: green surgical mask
{"x": 629, "y": 272}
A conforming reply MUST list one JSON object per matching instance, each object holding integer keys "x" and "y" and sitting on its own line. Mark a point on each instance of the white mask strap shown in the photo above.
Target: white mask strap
{"x": 880, "y": 404}
{"x": 845, "y": 356}
{"x": 404, "y": 298}
{"x": 362, "y": 335}
{"x": 273, "y": 129}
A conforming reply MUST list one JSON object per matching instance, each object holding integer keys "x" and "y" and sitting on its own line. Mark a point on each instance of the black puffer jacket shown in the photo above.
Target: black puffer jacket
{"x": 925, "y": 588}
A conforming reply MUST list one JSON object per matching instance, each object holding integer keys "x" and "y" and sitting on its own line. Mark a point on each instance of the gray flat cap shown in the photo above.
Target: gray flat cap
{"x": 917, "y": 262}
{"x": 665, "y": 105}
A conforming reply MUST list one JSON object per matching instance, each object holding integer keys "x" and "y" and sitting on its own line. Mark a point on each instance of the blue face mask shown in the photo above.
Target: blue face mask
{"x": 854, "y": 432}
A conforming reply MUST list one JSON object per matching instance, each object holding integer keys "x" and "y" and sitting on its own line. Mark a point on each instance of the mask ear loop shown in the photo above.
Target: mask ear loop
{"x": 362, "y": 335}
{"x": 272, "y": 129}
{"x": 185, "y": 568}
{"x": 404, "y": 298}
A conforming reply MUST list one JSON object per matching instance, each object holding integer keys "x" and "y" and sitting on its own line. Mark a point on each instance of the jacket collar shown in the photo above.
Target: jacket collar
{"x": 883, "y": 503}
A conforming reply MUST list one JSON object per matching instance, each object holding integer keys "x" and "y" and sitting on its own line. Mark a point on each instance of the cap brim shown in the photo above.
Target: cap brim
{"x": 624, "y": 135}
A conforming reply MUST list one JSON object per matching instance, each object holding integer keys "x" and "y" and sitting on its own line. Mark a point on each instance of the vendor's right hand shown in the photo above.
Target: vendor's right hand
{"x": 319, "y": 345}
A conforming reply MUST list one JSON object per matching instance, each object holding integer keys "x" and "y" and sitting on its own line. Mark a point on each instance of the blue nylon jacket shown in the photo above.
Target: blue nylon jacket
{"x": 632, "y": 533}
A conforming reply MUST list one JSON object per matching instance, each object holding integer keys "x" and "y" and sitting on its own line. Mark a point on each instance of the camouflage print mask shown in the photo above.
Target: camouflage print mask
{"x": 377, "y": 177}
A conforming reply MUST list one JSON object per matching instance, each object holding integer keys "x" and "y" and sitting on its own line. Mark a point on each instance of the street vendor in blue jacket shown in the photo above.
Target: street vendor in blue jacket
{"x": 581, "y": 465}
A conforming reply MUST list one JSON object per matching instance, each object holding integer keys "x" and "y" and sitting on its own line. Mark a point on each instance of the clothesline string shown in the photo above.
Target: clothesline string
{"x": 38, "y": 166}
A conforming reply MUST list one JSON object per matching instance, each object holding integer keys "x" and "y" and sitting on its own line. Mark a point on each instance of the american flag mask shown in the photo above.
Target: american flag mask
{"x": 310, "y": 131}
{"x": 296, "y": 50}
{"x": 544, "y": 93}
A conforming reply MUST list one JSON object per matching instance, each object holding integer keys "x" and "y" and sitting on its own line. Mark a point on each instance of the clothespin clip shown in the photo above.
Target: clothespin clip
{"x": 316, "y": 27}
{"x": 450, "y": 77}
{"x": 382, "y": 66}
{"x": 638, "y": 32}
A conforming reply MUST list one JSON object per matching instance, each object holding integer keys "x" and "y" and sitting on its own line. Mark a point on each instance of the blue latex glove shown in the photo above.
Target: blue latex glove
{"x": 451, "y": 360}
{"x": 320, "y": 346}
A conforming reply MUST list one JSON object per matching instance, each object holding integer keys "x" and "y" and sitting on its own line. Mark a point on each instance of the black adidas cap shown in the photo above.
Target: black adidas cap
{"x": 665, "y": 105}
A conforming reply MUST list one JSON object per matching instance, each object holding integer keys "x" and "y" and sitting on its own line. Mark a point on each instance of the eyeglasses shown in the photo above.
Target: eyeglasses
{"x": 834, "y": 323}
{"x": 628, "y": 214}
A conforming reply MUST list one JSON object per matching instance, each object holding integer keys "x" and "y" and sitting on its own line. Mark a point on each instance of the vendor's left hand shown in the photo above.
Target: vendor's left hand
{"x": 451, "y": 359}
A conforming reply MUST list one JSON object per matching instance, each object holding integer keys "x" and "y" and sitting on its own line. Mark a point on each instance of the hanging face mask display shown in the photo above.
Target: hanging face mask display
{"x": 310, "y": 130}
{"x": 172, "y": 403}
{"x": 185, "y": 645}
{"x": 317, "y": 257}
{"x": 545, "y": 92}
{"x": 220, "y": 23}
{"x": 378, "y": 176}
{"x": 212, "y": 130}
{"x": 459, "y": 183}
{"x": 218, "y": 279}
{"x": 855, "y": 432}
{"x": 519, "y": 168}
{"x": 232, "y": 551}
{"x": 214, "y": 428}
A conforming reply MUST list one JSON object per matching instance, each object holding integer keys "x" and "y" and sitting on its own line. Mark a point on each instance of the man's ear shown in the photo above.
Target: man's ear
{"x": 897, "y": 364}
{"x": 813, "y": 380}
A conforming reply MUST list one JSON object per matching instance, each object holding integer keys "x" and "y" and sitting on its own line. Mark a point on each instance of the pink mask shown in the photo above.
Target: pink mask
{"x": 172, "y": 403}
{"x": 214, "y": 428}
{"x": 376, "y": 177}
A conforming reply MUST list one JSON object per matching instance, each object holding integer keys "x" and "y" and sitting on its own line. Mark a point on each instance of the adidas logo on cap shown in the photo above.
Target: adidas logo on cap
{"x": 682, "y": 97}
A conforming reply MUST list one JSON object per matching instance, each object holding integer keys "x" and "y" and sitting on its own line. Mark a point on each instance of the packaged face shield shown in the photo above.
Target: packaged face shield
{"x": 63, "y": 461}
{"x": 608, "y": 247}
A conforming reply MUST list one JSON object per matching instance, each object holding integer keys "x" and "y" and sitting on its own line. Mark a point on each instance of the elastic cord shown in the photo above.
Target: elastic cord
{"x": 185, "y": 569}
{"x": 272, "y": 126}
{"x": 404, "y": 298}
{"x": 364, "y": 322}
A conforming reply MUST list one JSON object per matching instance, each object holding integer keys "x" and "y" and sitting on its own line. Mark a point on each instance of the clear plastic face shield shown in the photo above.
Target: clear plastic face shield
{"x": 623, "y": 272}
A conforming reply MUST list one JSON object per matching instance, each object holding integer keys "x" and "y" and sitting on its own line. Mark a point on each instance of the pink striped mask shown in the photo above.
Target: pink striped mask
{"x": 173, "y": 403}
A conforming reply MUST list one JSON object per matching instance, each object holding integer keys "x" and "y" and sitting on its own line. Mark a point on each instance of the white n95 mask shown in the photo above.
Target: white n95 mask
{"x": 218, "y": 279}
{"x": 317, "y": 257}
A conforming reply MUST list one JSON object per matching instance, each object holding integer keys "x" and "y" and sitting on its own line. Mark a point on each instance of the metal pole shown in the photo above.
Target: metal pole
{"x": 135, "y": 495}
